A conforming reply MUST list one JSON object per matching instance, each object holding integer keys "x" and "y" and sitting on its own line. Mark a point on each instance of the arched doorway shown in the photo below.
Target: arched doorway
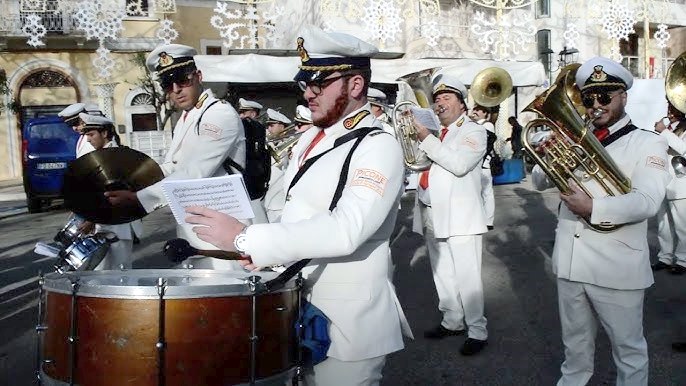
{"x": 142, "y": 131}
{"x": 45, "y": 92}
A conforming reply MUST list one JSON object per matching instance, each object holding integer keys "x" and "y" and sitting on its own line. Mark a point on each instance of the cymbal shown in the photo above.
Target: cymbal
{"x": 116, "y": 168}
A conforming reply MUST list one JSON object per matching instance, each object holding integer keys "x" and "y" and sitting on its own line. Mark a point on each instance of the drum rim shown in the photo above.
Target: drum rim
{"x": 61, "y": 283}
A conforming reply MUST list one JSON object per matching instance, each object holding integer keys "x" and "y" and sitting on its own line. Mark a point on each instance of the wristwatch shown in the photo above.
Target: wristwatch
{"x": 240, "y": 240}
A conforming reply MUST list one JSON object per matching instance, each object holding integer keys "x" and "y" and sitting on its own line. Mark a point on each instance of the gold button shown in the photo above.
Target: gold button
{"x": 577, "y": 235}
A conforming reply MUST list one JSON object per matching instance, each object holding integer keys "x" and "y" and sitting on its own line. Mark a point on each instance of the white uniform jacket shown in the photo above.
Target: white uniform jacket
{"x": 199, "y": 154}
{"x": 123, "y": 231}
{"x": 619, "y": 259}
{"x": 455, "y": 179}
{"x": 349, "y": 245}
{"x": 275, "y": 198}
{"x": 677, "y": 147}
{"x": 83, "y": 147}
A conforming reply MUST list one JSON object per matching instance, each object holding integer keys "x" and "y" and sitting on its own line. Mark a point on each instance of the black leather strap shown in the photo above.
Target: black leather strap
{"x": 618, "y": 134}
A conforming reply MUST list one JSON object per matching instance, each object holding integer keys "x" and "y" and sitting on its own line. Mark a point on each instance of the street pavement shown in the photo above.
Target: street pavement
{"x": 524, "y": 333}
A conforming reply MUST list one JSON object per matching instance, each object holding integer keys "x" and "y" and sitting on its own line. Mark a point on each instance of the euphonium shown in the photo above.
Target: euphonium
{"x": 675, "y": 89}
{"x": 573, "y": 146}
{"x": 403, "y": 120}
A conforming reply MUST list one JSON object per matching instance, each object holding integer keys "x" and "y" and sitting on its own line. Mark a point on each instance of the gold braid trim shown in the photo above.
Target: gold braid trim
{"x": 326, "y": 68}
{"x": 604, "y": 84}
{"x": 173, "y": 66}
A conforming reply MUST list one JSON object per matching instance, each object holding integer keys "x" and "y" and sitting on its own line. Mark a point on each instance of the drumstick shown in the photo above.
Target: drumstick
{"x": 178, "y": 250}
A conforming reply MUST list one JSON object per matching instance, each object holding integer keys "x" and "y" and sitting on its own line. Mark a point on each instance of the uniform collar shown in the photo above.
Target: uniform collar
{"x": 202, "y": 100}
{"x": 460, "y": 121}
{"x": 620, "y": 123}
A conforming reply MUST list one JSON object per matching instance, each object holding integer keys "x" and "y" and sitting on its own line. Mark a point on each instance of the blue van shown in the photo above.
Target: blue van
{"x": 48, "y": 144}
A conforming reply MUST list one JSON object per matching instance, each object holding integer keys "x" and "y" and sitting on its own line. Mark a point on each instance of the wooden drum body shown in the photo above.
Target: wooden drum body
{"x": 167, "y": 327}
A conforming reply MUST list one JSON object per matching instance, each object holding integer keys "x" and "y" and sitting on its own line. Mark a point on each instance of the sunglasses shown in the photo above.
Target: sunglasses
{"x": 181, "y": 81}
{"x": 318, "y": 86}
{"x": 603, "y": 98}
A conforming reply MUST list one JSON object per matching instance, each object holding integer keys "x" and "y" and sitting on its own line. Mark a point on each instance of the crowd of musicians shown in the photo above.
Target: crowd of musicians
{"x": 339, "y": 178}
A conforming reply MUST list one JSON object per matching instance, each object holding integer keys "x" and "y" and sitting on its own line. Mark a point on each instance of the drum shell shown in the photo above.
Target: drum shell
{"x": 207, "y": 338}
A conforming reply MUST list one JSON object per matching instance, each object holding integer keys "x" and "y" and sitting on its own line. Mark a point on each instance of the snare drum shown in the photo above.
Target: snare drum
{"x": 167, "y": 327}
{"x": 83, "y": 254}
{"x": 70, "y": 233}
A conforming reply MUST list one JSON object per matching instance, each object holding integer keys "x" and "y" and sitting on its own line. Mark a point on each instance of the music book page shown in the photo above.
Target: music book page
{"x": 426, "y": 117}
{"x": 225, "y": 194}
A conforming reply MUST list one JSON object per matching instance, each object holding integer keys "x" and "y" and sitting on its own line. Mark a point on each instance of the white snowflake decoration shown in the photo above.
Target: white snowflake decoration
{"x": 243, "y": 26}
{"x": 35, "y": 30}
{"x": 383, "y": 20}
{"x": 166, "y": 32}
{"x": 571, "y": 35}
{"x": 662, "y": 35}
{"x": 615, "y": 54}
{"x": 103, "y": 63}
{"x": 135, "y": 8}
{"x": 503, "y": 39}
{"x": 432, "y": 33}
{"x": 100, "y": 20}
{"x": 618, "y": 21}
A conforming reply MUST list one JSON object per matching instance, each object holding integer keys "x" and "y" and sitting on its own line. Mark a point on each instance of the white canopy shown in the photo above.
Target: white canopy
{"x": 255, "y": 68}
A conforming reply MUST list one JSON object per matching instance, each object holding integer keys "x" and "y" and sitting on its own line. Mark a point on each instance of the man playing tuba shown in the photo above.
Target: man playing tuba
{"x": 602, "y": 272}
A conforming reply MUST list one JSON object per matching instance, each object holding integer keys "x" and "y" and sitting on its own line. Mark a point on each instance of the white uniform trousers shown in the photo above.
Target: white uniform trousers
{"x": 334, "y": 372}
{"x": 671, "y": 232}
{"x": 621, "y": 314}
{"x": 487, "y": 195}
{"x": 120, "y": 255}
{"x": 456, "y": 266}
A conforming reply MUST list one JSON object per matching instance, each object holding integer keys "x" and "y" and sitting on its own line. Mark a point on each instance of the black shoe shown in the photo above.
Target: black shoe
{"x": 677, "y": 269}
{"x": 440, "y": 332}
{"x": 679, "y": 346}
{"x": 659, "y": 266}
{"x": 490, "y": 227}
{"x": 472, "y": 346}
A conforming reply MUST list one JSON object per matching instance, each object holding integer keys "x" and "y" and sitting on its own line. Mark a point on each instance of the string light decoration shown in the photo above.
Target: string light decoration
{"x": 35, "y": 30}
{"x": 240, "y": 28}
{"x": 166, "y": 32}
{"x": 164, "y": 6}
{"x": 382, "y": 18}
{"x": 506, "y": 34}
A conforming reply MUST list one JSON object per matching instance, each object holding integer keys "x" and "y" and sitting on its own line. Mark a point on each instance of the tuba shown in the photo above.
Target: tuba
{"x": 675, "y": 89}
{"x": 403, "y": 121}
{"x": 573, "y": 147}
{"x": 491, "y": 86}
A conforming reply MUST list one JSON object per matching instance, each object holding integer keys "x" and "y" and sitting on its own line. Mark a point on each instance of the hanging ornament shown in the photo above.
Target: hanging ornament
{"x": 164, "y": 6}
{"x": 432, "y": 33}
{"x": 618, "y": 21}
{"x": 103, "y": 64}
{"x": 504, "y": 38}
{"x": 383, "y": 20}
{"x": 34, "y": 29}
{"x": 166, "y": 32}
{"x": 240, "y": 28}
{"x": 100, "y": 20}
{"x": 135, "y": 8}
{"x": 662, "y": 35}
{"x": 615, "y": 54}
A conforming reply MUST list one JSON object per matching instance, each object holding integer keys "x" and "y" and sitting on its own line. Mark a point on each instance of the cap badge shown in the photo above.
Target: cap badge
{"x": 165, "y": 60}
{"x": 351, "y": 122}
{"x": 304, "y": 57}
{"x": 598, "y": 74}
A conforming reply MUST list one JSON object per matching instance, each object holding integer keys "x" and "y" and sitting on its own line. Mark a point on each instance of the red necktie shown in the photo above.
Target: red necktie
{"x": 601, "y": 133}
{"x": 424, "y": 177}
{"x": 185, "y": 114}
{"x": 311, "y": 146}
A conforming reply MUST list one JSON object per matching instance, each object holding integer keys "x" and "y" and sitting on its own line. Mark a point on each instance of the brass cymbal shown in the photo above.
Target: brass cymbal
{"x": 117, "y": 168}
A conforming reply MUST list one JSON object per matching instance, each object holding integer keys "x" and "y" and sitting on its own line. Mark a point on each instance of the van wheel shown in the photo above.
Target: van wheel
{"x": 33, "y": 204}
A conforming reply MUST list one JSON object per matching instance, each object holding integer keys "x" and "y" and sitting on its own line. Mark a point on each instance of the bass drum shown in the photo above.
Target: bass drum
{"x": 167, "y": 327}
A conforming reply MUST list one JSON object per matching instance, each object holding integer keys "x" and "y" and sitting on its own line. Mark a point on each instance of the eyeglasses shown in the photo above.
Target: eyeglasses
{"x": 182, "y": 81}
{"x": 603, "y": 98}
{"x": 318, "y": 86}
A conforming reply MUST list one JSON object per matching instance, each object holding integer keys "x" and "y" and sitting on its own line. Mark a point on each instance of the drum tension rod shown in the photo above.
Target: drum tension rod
{"x": 40, "y": 327}
{"x": 73, "y": 338}
{"x": 161, "y": 343}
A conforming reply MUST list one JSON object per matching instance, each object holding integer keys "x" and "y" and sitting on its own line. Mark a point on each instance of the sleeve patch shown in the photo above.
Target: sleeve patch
{"x": 470, "y": 142}
{"x": 370, "y": 179}
{"x": 656, "y": 162}
{"x": 210, "y": 130}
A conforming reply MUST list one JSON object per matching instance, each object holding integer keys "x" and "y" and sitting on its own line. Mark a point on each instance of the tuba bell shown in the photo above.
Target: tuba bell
{"x": 403, "y": 121}
{"x": 675, "y": 90}
{"x": 573, "y": 148}
{"x": 491, "y": 86}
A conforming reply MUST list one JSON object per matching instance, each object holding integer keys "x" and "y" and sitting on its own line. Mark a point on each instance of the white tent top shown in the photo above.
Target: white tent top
{"x": 256, "y": 68}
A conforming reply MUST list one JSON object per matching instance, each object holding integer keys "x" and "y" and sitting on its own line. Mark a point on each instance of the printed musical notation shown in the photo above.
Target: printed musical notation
{"x": 225, "y": 194}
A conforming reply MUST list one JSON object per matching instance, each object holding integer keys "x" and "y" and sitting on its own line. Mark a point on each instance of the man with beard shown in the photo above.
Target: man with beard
{"x": 451, "y": 210}
{"x": 605, "y": 274}
{"x": 208, "y": 133}
{"x": 343, "y": 187}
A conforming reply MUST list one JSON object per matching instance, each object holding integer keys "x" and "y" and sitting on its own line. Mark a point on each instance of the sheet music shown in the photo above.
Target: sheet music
{"x": 225, "y": 194}
{"x": 426, "y": 117}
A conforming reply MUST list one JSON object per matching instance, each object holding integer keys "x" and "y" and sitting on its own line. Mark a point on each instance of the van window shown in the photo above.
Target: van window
{"x": 52, "y": 138}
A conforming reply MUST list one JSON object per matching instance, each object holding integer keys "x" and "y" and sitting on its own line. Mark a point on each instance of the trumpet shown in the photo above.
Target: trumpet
{"x": 279, "y": 146}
